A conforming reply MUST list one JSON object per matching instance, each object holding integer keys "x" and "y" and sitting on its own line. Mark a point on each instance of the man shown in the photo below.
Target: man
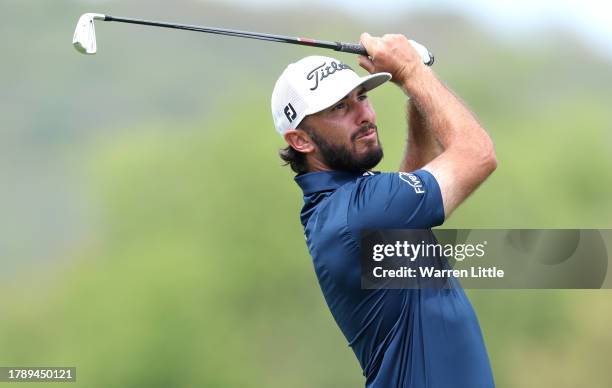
{"x": 406, "y": 337}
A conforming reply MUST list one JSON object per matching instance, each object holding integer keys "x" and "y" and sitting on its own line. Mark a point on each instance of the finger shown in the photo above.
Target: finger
{"x": 366, "y": 40}
{"x": 366, "y": 63}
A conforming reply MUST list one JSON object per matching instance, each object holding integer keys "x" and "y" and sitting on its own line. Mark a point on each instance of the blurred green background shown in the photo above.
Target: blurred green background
{"x": 150, "y": 237}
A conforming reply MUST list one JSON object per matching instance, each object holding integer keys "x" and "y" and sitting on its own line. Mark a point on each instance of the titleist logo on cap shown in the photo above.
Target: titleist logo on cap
{"x": 321, "y": 72}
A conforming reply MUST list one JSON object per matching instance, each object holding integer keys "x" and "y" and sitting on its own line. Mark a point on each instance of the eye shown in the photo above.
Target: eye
{"x": 339, "y": 106}
{"x": 363, "y": 97}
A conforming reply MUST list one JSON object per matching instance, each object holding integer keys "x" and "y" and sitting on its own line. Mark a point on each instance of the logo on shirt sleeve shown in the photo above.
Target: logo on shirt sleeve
{"x": 413, "y": 181}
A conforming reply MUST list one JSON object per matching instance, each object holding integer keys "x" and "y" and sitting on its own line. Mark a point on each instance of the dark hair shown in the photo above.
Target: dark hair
{"x": 293, "y": 158}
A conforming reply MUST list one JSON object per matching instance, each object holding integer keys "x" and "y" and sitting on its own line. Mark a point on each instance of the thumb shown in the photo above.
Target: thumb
{"x": 366, "y": 40}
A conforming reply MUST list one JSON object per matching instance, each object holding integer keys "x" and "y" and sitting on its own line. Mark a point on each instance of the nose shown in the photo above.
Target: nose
{"x": 364, "y": 113}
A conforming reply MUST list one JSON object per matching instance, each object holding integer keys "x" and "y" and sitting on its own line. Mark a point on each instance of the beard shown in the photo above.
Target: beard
{"x": 345, "y": 158}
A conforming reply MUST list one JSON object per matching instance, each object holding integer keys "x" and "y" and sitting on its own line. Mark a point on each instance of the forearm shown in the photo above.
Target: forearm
{"x": 449, "y": 120}
{"x": 421, "y": 145}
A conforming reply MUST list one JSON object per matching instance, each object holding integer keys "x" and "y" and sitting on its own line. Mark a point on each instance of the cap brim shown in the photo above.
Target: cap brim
{"x": 374, "y": 80}
{"x": 369, "y": 82}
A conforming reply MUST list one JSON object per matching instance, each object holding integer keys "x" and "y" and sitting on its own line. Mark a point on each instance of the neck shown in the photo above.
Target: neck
{"x": 315, "y": 165}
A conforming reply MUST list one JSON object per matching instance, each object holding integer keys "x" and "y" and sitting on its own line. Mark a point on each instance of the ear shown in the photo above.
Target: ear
{"x": 299, "y": 140}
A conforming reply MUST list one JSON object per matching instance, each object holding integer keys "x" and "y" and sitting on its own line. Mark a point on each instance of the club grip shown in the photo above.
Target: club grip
{"x": 356, "y": 48}
{"x": 353, "y": 48}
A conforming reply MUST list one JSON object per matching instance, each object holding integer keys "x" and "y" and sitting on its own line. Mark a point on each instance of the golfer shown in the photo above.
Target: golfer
{"x": 401, "y": 337}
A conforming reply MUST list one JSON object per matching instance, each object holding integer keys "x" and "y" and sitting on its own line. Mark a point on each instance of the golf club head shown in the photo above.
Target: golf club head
{"x": 84, "y": 39}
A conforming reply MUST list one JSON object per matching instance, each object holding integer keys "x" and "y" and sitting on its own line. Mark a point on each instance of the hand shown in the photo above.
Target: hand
{"x": 392, "y": 53}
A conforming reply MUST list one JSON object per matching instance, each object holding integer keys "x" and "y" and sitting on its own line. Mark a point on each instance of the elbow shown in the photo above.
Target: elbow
{"x": 483, "y": 161}
{"x": 489, "y": 161}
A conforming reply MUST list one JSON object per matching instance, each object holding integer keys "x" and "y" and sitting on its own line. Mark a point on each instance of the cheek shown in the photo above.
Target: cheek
{"x": 371, "y": 112}
{"x": 337, "y": 134}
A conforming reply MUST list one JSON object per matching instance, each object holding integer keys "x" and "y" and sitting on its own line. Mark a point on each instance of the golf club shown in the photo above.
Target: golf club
{"x": 84, "y": 39}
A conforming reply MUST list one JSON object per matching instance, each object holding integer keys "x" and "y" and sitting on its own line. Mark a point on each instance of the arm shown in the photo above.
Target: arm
{"x": 468, "y": 156}
{"x": 421, "y": 146}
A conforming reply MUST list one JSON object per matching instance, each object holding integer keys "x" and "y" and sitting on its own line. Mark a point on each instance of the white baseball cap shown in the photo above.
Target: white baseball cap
{"x": 313, "y": 84}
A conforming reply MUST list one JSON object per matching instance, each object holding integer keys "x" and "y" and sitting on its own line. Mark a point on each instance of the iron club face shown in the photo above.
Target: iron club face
{"x": 84, "y": 39}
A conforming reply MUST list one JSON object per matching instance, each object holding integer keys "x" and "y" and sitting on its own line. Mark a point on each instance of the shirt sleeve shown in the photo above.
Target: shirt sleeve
{"x": 397, "y": 200}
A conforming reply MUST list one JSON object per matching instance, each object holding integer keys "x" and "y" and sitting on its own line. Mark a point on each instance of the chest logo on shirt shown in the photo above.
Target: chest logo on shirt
{"x": 413, "y": 181}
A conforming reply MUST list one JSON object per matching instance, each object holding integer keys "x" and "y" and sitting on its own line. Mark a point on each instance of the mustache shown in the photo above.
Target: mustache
{"x": 363, "y": 130}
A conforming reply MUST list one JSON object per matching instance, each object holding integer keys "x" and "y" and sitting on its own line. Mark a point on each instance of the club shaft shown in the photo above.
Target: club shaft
{"x": 338, "y": 46}
{"x": 354, "y": 48}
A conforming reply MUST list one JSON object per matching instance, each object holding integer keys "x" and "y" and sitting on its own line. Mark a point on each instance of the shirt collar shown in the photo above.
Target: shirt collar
{"x": 314, "y": 182}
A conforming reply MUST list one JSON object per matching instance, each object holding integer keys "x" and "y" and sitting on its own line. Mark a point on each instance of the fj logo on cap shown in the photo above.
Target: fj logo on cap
{"x": 290, "y": 112}
{"x": 321, "y": 72}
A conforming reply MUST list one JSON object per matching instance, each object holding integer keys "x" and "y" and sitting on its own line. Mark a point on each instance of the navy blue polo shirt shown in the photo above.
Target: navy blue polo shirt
{"x": 401, "y": 337}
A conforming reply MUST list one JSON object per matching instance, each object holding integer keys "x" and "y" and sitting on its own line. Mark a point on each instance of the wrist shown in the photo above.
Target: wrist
{"x": 414, "y": 81}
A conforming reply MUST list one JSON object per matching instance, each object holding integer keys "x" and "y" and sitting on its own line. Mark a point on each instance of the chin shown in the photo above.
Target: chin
{"x": 371, "y": 158}
{"x": 371, "y": 147}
